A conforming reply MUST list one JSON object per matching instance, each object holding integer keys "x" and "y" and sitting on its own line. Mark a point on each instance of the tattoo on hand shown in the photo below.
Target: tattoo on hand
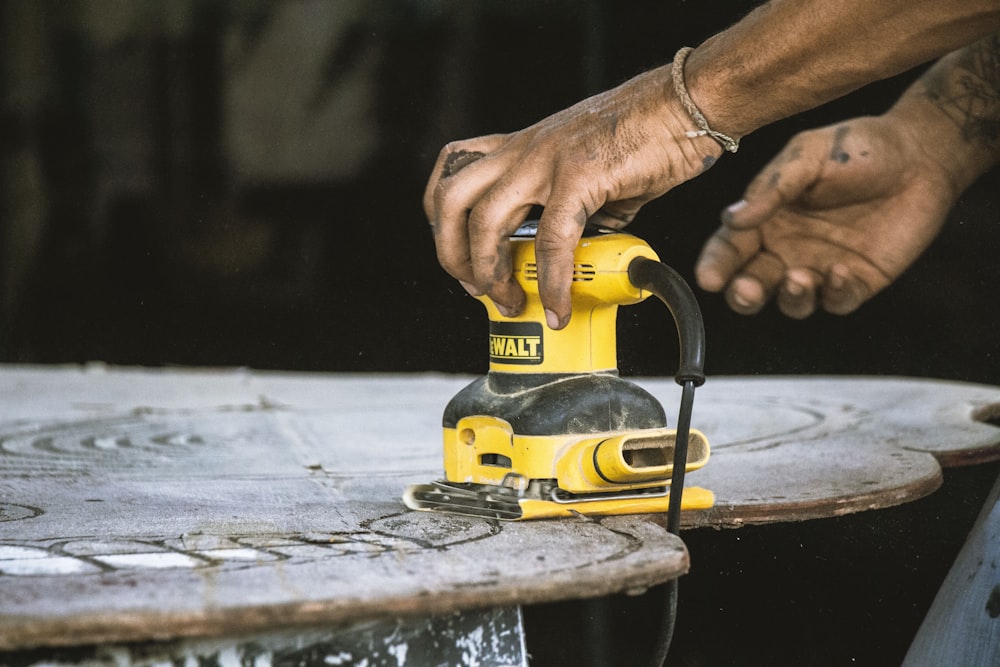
{"x": 969, "y": 93}
{"x": 791, "y": 154}
{"x": 837, "y": 153}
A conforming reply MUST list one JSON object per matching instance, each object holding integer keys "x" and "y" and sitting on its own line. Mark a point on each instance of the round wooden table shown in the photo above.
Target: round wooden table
{"x": 140, "y": 504}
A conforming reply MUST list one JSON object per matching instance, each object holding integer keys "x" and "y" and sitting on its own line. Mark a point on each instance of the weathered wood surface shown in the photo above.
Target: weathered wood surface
{"x": 962, "y": 626}
{"x": 791, "y": 449}
{"x": 150, "y": 505}
{"x": 142, "y": 504}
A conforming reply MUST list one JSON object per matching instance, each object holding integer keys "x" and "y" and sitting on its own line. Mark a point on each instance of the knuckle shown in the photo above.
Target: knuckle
{"x": 454, "y": 266}
{"x": 436, "y": 195}
{"x": 554, "y": 245}
{"x": 481, "y": 220}
{"x": 451, "y": 147}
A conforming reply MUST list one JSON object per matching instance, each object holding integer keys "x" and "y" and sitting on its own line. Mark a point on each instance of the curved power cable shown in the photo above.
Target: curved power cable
{"x": 672, "y": 290}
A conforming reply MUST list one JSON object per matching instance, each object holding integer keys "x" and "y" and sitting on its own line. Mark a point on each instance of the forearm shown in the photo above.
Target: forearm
{"x": 953, "y": 111}
{"x": 788, "y": 56}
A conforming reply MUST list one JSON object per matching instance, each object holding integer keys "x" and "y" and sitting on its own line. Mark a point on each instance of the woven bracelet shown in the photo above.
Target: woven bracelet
{"x": 726, "y": 141}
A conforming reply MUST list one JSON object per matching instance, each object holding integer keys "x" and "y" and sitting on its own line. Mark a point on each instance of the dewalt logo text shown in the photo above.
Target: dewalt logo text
{"x": 516, "y": 347}
{"x": 516, "y": 342}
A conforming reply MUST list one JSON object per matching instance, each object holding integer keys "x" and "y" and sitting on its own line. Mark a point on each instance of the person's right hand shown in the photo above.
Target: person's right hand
{"x": 835, "y": 217}
{"x": 598, "y": 161}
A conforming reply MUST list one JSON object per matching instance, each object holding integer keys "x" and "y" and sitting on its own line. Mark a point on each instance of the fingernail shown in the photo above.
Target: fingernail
{"x": 708, "y": 278}
{"x": 732, "y": 210}
{"x": 552, "y": 319}
{"x": 741, "y": 300}
{"x": 794, "y": 288}
{"x": 838, "y": 278}
{"x": 470, "y": 288}
{"x": 504, "y": 310}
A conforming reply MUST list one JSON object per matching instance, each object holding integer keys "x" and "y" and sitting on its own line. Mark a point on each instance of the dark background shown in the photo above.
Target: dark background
{"x": 130, "y": 233}
{"x": 146, "y": 247}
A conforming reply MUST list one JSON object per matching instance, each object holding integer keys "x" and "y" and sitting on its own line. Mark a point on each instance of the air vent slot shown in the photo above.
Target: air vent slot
{"x": 496, "y": 460}
{"x": 582, "y": 273}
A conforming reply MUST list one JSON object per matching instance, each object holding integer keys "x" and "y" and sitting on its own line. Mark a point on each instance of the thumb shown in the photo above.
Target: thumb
{"x": 782, "y": 182}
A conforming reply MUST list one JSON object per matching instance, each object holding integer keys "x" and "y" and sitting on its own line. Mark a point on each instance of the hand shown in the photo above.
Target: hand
{"x": 837, "y": 216}
{"x": 597, "y": 161}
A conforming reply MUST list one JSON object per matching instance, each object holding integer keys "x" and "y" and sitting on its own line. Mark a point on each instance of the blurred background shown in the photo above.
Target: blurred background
{"x": 238, "y": 182}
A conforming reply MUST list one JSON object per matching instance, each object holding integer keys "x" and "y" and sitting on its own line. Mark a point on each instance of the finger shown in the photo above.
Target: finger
{"x": 453, "y": 158}
{"x": 454, "y": 197}
{"x": 722, "y": 256}
{"x": 780, "y": 183}
{"x": 755, "y": 285}
{"x": 559, "y": 232}
{"x": 843, "y": 292}
{"x": 746, "y": 295}
{"x": 470, "y": 288}
{"x": 494, "y": 218}
{"x": 492, "y": 266}
{"x": 797, "y": 294}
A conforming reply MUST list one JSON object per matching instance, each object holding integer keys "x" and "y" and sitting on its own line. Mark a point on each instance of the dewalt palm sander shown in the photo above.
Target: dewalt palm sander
{"x": 552, "y": 430}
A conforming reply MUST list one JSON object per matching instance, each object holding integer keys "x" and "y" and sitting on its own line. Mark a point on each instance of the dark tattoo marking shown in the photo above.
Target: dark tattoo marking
{"x": 458, "y": 160}
{"x": 969, "y": 91}
{"x": 837, "y": 153}
{"x": 790, "y": 154}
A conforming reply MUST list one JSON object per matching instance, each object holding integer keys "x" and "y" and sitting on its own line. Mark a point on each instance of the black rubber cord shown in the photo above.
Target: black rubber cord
{"x": 670, "y": 287}
{"x": 666, "y": 634}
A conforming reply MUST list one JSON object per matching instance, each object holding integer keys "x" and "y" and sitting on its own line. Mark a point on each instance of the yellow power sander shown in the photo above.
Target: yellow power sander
{"x": 553, "y": 430}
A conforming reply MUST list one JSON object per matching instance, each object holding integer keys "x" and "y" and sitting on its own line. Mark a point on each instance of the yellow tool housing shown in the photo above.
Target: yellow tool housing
{"x": 552, "y": 429}
{"x": 588, "y": 343}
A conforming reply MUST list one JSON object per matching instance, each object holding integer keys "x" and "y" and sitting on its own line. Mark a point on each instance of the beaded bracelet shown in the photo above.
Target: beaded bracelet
{"x": 726, "y": 141}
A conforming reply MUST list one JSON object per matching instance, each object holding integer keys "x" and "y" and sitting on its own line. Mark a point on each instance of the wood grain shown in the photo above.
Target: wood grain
{"x": 962, "y": 626}
{"x": 142, "y": 505}
{"x": 139, "y": 504}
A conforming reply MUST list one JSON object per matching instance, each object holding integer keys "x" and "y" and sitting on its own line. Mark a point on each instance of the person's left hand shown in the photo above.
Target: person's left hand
{"x": 835, "y": 217}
